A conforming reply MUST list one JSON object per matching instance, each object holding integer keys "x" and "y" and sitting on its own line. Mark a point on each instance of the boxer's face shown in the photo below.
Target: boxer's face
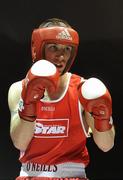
{"x": 58, "y": 54}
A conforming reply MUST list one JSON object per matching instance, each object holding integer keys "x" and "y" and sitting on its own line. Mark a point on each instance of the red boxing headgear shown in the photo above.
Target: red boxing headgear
{"x": 54, "y": 34}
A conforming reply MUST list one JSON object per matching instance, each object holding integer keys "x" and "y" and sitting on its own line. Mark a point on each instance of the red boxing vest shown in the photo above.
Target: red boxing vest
{"x": 59, "y": 133}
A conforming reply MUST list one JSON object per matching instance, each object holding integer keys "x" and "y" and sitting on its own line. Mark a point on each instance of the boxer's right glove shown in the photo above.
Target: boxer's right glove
{"x": 42, "y": 75}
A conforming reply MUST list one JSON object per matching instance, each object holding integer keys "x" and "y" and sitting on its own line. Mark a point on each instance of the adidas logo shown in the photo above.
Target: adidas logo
{"x": 64, "y": 35}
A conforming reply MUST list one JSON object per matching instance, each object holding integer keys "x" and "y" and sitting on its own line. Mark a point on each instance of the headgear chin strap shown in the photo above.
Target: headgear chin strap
{"x": 55, "y": 34}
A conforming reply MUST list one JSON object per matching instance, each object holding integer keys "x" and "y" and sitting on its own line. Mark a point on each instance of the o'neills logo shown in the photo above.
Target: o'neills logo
{"x": 48, "y": 128}
{"x": 47, "y": 108}
{"x": 35, "y": 167}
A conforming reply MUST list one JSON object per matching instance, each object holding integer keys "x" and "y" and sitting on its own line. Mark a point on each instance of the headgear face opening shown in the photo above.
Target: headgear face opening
{"x": 55, "y": 34}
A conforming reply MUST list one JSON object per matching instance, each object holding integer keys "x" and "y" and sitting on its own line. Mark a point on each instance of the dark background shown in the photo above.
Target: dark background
{"x": 100, "y": 26}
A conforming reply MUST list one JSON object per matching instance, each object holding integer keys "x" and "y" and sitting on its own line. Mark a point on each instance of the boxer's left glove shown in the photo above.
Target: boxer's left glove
{"x": 42, "y": 75}
{"x": 96, "y": 99}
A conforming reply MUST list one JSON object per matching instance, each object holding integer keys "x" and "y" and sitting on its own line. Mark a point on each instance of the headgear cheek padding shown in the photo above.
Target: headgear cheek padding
{"x": 55, "y": 34}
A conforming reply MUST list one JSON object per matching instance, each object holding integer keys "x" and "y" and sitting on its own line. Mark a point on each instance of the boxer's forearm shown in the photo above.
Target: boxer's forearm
{"x": 21, "y": 132}
{"x": 104, "y": 140}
